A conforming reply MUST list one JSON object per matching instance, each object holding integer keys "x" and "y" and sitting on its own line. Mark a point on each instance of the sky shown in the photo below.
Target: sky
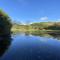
{"x": 32, "y": 10}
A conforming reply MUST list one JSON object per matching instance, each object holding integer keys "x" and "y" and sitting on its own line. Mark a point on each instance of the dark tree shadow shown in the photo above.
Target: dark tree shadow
{"x": 4, "y": 44}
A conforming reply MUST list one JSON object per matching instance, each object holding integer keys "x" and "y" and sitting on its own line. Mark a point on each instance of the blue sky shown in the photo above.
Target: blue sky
{"x": 32, "y": 10}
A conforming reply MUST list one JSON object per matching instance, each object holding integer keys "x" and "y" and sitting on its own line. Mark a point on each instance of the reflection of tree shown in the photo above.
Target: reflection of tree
{"x": 40, "y": 33}
{"x": 27, "y": 33}
{"x": 55, "y": 35}
{"x": 45, "y": 34}
{"x": 4, "y": 44}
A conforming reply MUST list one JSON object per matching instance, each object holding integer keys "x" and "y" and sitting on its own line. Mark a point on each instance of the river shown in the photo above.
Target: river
{"x": 24, "y": 46}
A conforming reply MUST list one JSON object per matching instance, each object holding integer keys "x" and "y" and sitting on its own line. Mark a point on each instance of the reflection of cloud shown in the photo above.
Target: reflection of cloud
{"x": 44, "y": 18}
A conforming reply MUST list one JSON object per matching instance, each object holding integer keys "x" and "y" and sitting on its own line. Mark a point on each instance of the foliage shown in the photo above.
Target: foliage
{"x": 5, "y": 23}
{"x": 54, "y": 27}
{"x": 40, "y": 26}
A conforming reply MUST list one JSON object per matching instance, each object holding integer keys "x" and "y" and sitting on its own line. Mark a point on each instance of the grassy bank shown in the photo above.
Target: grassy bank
{"x": 33, "y": 30}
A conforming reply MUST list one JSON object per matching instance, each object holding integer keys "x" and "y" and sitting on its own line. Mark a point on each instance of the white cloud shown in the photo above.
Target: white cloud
{"x": 44, "y": 18}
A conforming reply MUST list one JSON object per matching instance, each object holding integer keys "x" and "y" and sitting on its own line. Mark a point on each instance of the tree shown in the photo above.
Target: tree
{"x": 5, "y": 23}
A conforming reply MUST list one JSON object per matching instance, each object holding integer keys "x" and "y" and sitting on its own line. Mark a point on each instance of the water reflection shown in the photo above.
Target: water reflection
{"x": 5, "y": 42}
{"x": 43, "y": 34}
{"x": 55, "y": 35}
{"x": 27, "y": 33}
{"x": 26, "y": 47}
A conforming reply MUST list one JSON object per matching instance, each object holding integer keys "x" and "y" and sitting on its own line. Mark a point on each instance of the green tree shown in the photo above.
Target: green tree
{"x": 5, "y": 23}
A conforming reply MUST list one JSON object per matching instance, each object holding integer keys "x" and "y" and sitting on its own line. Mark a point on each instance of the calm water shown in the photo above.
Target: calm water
{"x": 30, "y": 47}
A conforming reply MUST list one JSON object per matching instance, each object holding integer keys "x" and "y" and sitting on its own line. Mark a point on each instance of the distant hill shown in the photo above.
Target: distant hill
{"x": 39, "y": 26}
